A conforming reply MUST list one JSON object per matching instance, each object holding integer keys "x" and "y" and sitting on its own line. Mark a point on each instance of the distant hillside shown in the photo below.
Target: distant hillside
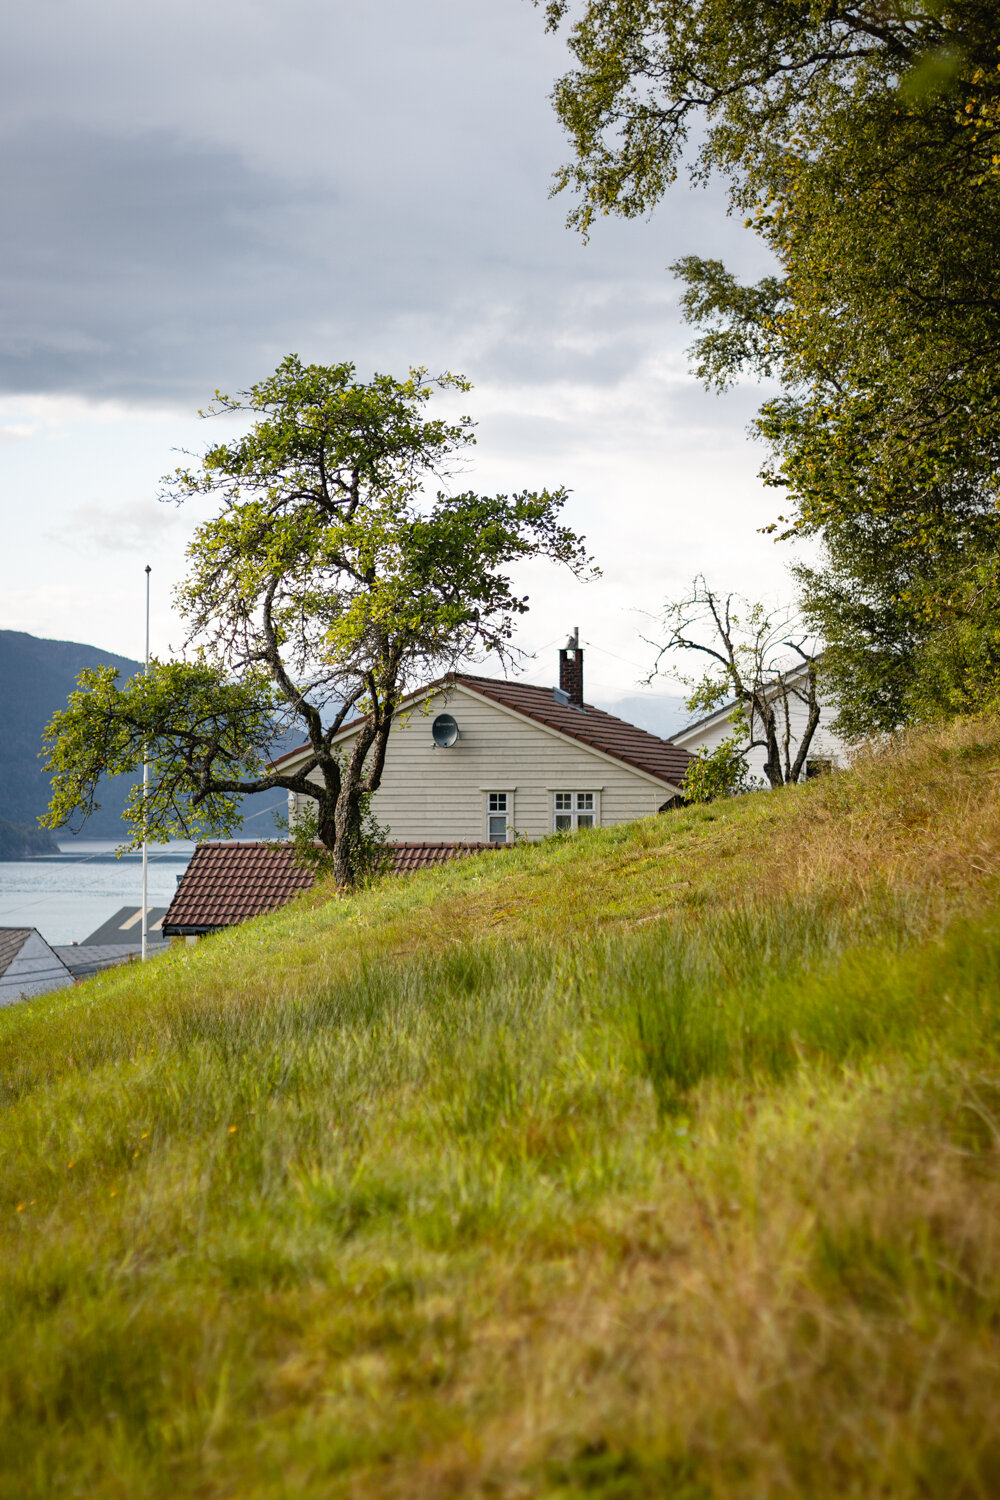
{"x": 661, "y": 713}
{"x": 36, "y": 678}
{"x": 22, "y": 841}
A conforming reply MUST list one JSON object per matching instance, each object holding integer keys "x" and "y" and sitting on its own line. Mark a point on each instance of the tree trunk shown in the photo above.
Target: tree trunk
{"x": 772, "y": 765}
{"x": 347, "y": 845}
{"x": 326, "y": 821}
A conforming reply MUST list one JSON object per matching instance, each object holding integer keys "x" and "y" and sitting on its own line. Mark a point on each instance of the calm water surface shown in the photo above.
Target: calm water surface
{"x": 69, "y": 894}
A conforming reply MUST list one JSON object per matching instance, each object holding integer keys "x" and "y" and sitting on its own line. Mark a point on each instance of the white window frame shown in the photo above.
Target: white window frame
{"x": 507, "y": 812}
{"x": 577, "y": 807}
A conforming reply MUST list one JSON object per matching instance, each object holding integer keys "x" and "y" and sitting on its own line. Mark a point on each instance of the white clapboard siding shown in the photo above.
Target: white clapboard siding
{"x": 431, "y": 793}
{"x": 711, "y": 731}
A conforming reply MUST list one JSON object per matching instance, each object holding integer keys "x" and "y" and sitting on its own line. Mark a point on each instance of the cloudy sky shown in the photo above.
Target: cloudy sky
{"x": 192, "y": 190}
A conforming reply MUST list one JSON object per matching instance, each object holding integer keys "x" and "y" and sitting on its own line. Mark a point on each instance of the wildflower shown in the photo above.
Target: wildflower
{"x": 20, "y": 1208}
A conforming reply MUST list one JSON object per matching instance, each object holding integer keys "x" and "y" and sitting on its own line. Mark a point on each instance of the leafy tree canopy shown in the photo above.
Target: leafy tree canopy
{"x": 862, "y": 143}
{"x": 329, "y": 582}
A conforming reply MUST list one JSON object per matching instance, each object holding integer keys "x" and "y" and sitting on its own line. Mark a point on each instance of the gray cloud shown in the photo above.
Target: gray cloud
{"x": 128, "y": 258}
{"x": 192, "y": 193}
{"x": 125, "y": 526}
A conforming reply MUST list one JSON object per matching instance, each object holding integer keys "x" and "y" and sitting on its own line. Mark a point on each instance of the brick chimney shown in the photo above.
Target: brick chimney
{"x": 571, "y": 669}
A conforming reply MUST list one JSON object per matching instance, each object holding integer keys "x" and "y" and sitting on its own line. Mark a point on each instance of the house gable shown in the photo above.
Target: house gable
{"x": 429, "y": 792}
{"x": 28, "y": 966}
{"x": 708, "y": 732}
{"x": 662, "y": 762}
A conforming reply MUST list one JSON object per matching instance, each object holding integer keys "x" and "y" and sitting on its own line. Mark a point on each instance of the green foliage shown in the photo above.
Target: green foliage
{"x": 958, "y": 670}
{"x": 204, "y": 737}
{"x": 911, "y": 631}
{"x": 325, "y": 522}
{"x": 721, "y": 772}
{"x": 373, "y": 856}
{"x": 863, "y": 599}
{"x": 862, "y": 146}
{"x": 327, "y": 584}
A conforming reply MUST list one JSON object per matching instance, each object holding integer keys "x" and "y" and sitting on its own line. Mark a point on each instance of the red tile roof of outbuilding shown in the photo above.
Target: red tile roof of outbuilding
{"x": 423, "y": 855}
{"x": 226, "y": 883}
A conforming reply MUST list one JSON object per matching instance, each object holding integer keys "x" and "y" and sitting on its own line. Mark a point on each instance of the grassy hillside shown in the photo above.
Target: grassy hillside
{"x": 661, "y": 1161}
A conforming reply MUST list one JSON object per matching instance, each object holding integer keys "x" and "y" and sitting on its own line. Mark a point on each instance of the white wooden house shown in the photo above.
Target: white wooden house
{"x": 826, "y": 751}
{"x": 28, "y": 966}
{"x": 485, "y": 760}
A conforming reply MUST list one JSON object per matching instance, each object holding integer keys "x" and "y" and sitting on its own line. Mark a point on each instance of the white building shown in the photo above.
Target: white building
{"x": 826, "y": 750}
{"x": 28, "y": 966}
{"x": 480, "y": 759}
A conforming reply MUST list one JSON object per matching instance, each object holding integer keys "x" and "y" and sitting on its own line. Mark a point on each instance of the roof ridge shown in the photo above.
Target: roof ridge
{"x": 585, "y": 723}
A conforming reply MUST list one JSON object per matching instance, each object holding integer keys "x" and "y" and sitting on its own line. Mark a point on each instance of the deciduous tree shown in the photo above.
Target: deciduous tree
{"x": 862, "y": 143}
{"x": 327, "y": 583}
{"x": 762, "y": 662}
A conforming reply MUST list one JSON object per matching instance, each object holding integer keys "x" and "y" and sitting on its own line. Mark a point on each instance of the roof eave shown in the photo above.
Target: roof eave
{"x": 186, "y": 930}
{"x": 468, "y": 685}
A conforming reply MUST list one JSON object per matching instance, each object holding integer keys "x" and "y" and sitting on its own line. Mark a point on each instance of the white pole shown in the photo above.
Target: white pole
{"x": 145, "y": 793}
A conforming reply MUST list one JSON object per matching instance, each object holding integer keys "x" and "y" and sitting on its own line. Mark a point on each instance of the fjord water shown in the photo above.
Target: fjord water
{"x": 69, "y": 894}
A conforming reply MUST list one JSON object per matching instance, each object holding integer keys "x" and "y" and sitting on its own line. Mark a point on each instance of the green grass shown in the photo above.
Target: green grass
{"x": 658, "y": 1161}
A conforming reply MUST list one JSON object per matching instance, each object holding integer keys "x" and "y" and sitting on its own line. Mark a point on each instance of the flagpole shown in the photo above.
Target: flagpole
{"x": 145, "y": 793}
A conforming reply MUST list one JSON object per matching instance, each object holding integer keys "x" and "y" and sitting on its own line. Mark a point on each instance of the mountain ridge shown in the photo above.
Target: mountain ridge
{"x": 37, "y": 675}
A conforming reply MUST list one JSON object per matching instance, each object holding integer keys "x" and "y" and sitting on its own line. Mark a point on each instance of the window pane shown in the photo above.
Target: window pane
{"x": 498, "y": 830}
{"x": 498, "y": 802}
{"x": 564, "y": 801}
{"x": 585, "y": 801}
{"x": 563, "y": 822}
{"x": 585, "y": 820}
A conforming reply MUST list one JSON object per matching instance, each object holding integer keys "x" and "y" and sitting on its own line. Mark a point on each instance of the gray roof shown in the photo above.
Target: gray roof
{"x": 12, "y": 940}
{"x": 41, "y": 968}
{"x": 83, "y": 959}
{"x": 125, "y": 927}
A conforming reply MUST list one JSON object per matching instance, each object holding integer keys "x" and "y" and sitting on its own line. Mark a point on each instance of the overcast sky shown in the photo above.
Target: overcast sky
{"x": 192, "y": 190}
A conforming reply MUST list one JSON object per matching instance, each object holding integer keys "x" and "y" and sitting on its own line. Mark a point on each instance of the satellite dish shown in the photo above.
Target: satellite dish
{"x": 444, "y": 731}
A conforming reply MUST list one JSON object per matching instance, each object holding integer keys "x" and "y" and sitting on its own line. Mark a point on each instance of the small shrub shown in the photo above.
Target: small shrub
{"x": 722, "y": 772}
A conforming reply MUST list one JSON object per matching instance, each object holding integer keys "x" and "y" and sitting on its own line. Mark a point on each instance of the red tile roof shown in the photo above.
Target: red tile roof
{"x": 227, "y": 883}
{"x": 591, "y": 726}
{"x": 424, "y": 855}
